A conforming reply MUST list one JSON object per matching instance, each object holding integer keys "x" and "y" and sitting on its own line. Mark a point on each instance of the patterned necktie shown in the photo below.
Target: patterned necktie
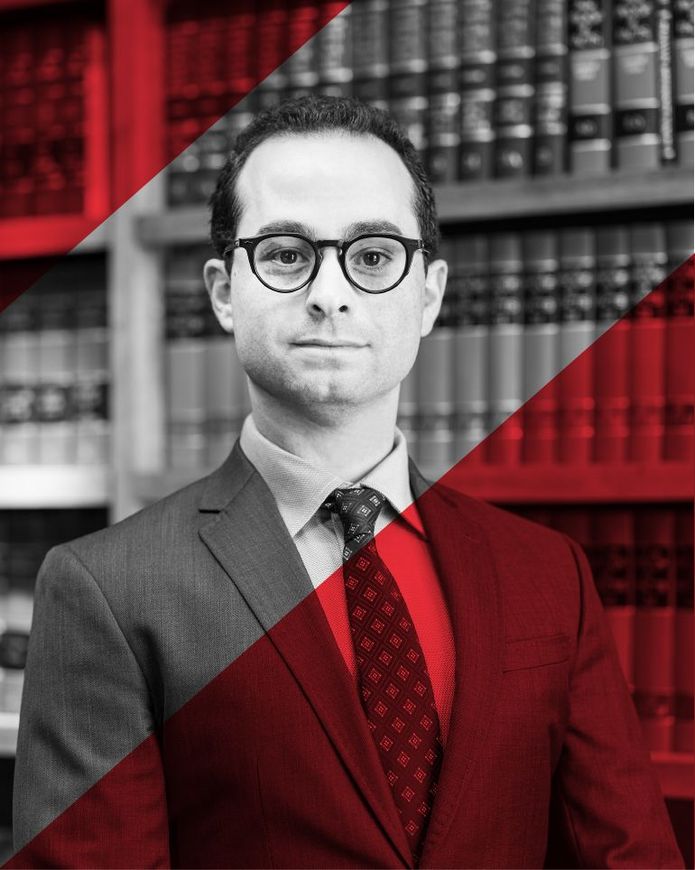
{"x": 396, "y": 691}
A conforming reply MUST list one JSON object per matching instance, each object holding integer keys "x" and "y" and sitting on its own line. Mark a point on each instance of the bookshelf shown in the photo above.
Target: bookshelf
{"x": 136, "y": 238}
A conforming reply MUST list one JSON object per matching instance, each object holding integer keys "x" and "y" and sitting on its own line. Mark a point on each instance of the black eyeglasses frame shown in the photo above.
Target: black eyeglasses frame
{"x": 249, "y": 245}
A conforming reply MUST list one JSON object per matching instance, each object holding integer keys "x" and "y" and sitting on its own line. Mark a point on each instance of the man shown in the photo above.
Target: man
{"x": 448, "y": 697}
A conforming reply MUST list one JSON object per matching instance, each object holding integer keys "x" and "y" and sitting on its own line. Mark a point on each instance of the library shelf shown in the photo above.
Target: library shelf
{"x": 47, "y": 235}
{"x": 54, "y": 486}
{"x": 492, "y": 200}
{"x": 524, "y": 484}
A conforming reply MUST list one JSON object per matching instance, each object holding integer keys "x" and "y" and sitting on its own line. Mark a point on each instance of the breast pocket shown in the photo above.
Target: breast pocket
{"x": 536, "y": 652}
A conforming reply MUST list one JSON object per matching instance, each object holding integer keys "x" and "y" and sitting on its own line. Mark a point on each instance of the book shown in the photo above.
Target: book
{"x": 590, "y": 108}
{"x": 636, "y": 85}
{"x": 514, "y": 72}
{"x": 679, "y": 372}
{"x": 302, "y": 67}
{"x": 20, "y": 341}
{"x": 647, "y": 341}
{"x": 614, "y": 566}
{"x": 477, "y": 20}
{"x": 371, "y": 51}
{"x": 444, "y": 123}
{"x": 334, "y": 47}
{"x": 550, "y": 89}
{"x": 683, "y": 79}
{"x": 577, "y": 327}
{"x": 435, "y": 389}
{"x": 655, "y": 618}
{"x": 540, "y": 345}
{"x": 408, "y": 68}
{"x": 468, "y": 284}
{"x": 611, "y": 350}
{"x": 506, "y": 345}
{"x": 684, "y": 651}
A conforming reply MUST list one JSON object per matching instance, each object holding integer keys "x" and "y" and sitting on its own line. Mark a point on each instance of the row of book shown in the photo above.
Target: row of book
{"x": 484, "y": 88}
{"x": 25, "y": 538}
{"x": 642, "y": 562}
{"x": 54, "y": 368}
{"x": 518, "y": 308}
{"x": 52, "y": 114}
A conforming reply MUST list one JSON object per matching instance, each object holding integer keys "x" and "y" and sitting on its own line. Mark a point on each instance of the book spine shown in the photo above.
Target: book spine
{"x": 506, "y": 348}
{"x": 654, "y": 653}
{"x": 576, "y": 333}
{"x": 665, "y": 82}
{"x": 647, "y": 351}
{"x": 683, "y": 79}
{"x": 272, "y": 35}
{"x": 611, "y": 351}
{"x": 238, "y": 60}
{"x": 470, "y": 286}
{"x": 685, "y": 652}
{"x": 19, "y": 129}
{"x": 335, "y": 50}
{"x": 371, "y": 51}
{"x": 20, "y": 443}
{"x": 435, "y": 391}
{"x": 635, "y": 61}
{"x": 302, "y": 67}
{"x": 444, "y": 122}
{"x": 613, "y": 563}
{"x": 477, "y": 85}
{"x": 680, "y": 339}
{"x": 186, "y": 321}
{"x": 590, "y": 109}
{"x": 408, "y": 68}
{"x": 550, "y": 81}
{"x": 540, "y": 345}
{"x": 515, "y": 89}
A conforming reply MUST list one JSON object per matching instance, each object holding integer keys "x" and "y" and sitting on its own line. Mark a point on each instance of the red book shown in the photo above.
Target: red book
{"x": 613, "y": 562}
{"x": 655, "y": 624}
{"x": 685, "y": 652}
{"x": 611, "y": 351}
{"x": 680, "y": 340}
{"x": 577, "y": 328}
{"x": 647, "y": 334}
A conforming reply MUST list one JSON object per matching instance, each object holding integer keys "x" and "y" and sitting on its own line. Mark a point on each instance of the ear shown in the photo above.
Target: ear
{"x": 435, "y": 284}
{"x": 218, "y": 285}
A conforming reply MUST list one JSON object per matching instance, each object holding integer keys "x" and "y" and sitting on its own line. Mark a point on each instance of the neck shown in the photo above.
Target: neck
{"x": 347, "y": 441}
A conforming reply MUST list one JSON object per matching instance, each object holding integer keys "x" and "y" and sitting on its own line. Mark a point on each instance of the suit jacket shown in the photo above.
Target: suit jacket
{"x": 185, "y": 702}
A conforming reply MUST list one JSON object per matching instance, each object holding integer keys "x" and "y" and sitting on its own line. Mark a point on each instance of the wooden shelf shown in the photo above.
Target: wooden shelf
{"x": 558, "y": 484}
{"x": 492, "y": 200}
{"x": 54, "y": 486}
{"x": 43, "y": 236}
{"x": 676, "y": 770}
{"x": 566, "y": 484}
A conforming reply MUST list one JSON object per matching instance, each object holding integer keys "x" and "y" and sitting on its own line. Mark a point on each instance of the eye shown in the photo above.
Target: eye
{"x": 371, "y": 258}
{"x": 287, "y": 258}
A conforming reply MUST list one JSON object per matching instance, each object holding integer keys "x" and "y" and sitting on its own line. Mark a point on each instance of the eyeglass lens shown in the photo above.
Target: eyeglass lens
{"x": 374, "y": 263}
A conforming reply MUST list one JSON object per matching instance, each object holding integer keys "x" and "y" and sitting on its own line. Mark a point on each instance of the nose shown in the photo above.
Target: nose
{"x": 330, "y": 292}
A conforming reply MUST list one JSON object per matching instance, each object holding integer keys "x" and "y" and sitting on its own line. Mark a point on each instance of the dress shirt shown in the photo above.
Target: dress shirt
{"x": 300, "y": 488}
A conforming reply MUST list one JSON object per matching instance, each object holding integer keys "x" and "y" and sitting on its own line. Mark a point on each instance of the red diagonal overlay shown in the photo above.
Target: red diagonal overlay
{"x": 140, "y": 149}
{"x": 276, "y": 735}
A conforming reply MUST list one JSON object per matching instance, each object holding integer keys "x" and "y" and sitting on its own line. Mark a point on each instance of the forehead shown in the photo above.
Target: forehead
{"x": 326, "y": 181}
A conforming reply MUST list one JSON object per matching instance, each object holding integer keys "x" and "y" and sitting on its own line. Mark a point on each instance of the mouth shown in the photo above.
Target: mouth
{"x": 333, "y": 344}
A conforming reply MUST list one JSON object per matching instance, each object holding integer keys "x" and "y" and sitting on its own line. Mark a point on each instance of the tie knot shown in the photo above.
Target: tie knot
{"x": 358, "y": 509}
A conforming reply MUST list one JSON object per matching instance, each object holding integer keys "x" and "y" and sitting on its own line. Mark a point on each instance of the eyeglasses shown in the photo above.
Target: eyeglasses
{"x": 290, "y": 261}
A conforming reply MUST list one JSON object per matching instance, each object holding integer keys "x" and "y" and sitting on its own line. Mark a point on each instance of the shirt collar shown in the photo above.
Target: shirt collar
{"x": 300, "y": 488}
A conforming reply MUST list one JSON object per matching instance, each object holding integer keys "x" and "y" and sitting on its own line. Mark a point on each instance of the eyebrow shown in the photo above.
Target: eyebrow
{"x": 357, "y": 228}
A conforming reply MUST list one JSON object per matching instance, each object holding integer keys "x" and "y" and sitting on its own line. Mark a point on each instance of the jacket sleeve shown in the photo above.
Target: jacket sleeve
{"x": 89, "y": 784}
{"x": 607, "y": 799}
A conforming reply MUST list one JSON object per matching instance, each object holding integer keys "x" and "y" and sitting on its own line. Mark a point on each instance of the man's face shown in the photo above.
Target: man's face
{"x": 328, "y": 346}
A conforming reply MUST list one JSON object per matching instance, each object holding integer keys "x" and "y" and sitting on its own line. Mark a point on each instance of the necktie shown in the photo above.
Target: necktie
{"x": 396, "y": 691}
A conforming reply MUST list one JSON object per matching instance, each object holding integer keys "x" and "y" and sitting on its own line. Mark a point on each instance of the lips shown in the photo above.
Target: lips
{"x": 333, "y": 342}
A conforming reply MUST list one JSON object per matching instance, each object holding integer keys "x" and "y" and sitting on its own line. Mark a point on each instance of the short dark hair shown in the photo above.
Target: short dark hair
{"x": 314, "y": 114}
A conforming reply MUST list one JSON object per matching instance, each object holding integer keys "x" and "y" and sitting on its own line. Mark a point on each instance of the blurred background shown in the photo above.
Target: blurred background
{"x": 559, "y": 135}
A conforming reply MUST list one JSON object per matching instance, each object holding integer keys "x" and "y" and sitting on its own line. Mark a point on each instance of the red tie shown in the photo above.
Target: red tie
{"x": 395, "y": 687}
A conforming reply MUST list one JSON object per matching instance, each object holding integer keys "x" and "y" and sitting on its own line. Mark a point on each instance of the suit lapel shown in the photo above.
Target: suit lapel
{"x": 466, "y": 571}
{"x": 249, "y": 539}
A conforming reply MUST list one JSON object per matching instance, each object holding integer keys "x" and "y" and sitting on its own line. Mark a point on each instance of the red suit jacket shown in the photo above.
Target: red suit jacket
{"x": 186, "y": 704}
